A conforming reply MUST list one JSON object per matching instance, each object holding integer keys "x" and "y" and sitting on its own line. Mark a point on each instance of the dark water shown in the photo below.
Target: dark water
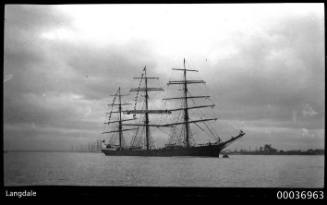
{"x": 96, "y": 169}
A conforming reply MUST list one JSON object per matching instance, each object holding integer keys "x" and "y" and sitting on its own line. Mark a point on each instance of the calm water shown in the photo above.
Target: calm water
{"x": 41, "y": 168}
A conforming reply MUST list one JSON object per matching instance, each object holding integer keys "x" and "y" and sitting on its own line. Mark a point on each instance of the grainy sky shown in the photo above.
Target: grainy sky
{"x": 263, "y": 64}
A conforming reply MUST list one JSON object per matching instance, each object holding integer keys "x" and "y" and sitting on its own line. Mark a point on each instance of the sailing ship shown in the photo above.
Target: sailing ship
{"x": 179, "y": 145}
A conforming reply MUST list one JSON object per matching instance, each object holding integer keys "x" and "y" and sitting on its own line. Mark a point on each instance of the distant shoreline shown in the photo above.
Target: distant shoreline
{"x": 308, "y": 154}
{"x": 267, "y": 149}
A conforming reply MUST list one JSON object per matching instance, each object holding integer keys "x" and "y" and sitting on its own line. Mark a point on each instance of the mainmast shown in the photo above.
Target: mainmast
{"x": 147, "y": 111}
{"x": 120, "y": 120}
{"x": 185, "y": 98}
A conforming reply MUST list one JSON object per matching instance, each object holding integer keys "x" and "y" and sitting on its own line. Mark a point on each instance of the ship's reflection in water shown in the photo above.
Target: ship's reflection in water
{"x": 96, "y": 169}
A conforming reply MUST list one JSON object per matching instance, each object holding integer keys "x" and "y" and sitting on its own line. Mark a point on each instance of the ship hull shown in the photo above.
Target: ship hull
{"x": 201, "y": 151}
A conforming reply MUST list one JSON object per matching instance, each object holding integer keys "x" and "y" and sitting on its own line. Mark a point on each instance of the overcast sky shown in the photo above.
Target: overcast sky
{"x": 263, "y": 64}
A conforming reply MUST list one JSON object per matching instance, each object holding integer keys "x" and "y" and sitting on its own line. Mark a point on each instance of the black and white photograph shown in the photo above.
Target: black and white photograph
{"x": 164, "y": 95}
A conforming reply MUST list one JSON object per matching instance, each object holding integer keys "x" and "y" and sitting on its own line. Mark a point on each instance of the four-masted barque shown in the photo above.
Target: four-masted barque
{"x": 144, "y": 146}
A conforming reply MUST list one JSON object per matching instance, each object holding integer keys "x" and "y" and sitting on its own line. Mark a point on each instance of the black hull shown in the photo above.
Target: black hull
{"x": 202, "y": 151}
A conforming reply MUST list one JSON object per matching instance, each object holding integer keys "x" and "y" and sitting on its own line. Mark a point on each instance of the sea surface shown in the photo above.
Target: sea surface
{"x": 96, "y": 169}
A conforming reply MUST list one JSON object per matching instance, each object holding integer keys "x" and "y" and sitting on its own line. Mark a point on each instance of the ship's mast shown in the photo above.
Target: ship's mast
{"x": 147, "y": 130}
{"x": 186, "y": 108}
{"x": 186, "y": 117}
{"x": 120, "y": 120}
{"x": 120, "y": 127}
{"x": 147, "y": 111}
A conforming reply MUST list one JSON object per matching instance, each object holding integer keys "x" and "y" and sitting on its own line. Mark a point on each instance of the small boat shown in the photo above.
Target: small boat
{"x": 225, "y": 156}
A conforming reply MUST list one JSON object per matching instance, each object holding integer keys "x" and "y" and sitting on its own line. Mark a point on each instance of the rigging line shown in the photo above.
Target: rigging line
{"x": 197, "y": 124}
{"x": 215, "y": 134}
{"x": 135, "y": 140}
{"x": 169, "y": 117}
{"x": 134, "y": 137}
{"x": 109, "y": 117}
{"x": 203, "y": 130}
{"x": 202, "y": 114}
{"x": 112, "y": 139}
{"x": 193, "y": 101}
{"x": 181, "y": 134}
{"x": 210, "y": 130}
{"x": 180, "y": 118}
{"x": 137, "y": 93}
{"x": 140, "y": 139}
{"x": 112, "y": 104}
{"x": 211, "y": 100}
{"x": 214, "y": 130}
{"x": 172, "y": 134}
{"x": 104, "y": 125}
{"x": 209, "y": 90}
{"x": 174, "y": 130}
{"x": 162, "y": 130}
{"x": 201, "y": 117}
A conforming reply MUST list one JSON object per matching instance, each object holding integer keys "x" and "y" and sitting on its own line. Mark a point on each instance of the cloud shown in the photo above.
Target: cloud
{"x": 264, "y": 77}
{"x": 274, "y": 68}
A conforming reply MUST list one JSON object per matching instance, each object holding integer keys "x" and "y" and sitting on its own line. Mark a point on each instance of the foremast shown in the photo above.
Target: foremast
{"x": 185, "y": 98}
{"x": 120, "y": 120}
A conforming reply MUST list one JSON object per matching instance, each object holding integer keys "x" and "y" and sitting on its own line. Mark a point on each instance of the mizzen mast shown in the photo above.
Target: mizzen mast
{"x": 120, "y": 120}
